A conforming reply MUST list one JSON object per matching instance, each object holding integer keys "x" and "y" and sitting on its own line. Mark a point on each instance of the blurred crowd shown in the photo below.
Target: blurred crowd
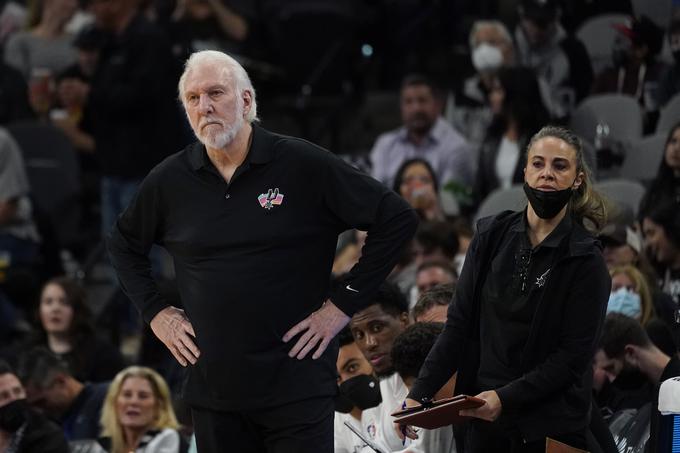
{"x": 435, "y": 99}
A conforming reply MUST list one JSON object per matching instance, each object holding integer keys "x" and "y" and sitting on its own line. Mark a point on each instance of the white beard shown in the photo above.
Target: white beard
{"x": 218, "y": 138}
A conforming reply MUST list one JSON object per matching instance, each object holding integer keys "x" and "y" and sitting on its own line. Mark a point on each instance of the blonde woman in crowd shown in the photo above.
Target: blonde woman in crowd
{"x": 630, "y": 294}
{"x": 138, "y": 416}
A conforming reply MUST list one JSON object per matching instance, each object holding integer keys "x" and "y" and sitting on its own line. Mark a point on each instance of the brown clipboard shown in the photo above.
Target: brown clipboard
{"x": 439, "y": 413}
{"x": 555, "y": 446}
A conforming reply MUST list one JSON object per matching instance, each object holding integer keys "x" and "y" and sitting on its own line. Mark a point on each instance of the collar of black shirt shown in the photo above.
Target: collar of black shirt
{"x": 261, "y": 150}
{"x": 553, "y": 239}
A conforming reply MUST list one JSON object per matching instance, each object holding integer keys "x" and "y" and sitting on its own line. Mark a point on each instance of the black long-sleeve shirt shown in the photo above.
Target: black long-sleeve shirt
{"x": 552, "y": 394}
{"x": 247, "y": 270}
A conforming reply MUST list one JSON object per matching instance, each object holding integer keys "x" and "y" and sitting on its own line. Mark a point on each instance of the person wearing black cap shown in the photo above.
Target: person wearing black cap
{"x": 558, "y": 58}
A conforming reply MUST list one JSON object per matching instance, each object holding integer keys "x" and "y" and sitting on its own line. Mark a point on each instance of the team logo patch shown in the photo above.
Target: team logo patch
{"x": 270, "y": 199}
{"x": 540, "y": 281}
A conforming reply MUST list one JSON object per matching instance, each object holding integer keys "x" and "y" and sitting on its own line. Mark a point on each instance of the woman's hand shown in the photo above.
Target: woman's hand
{"x": 489, "y": 411}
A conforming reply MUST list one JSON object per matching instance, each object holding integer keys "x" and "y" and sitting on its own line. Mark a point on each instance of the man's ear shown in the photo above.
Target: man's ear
{"x": 630, "y": 354}
{"x": 247, "y": 102}
{"x": 404, "y": 319}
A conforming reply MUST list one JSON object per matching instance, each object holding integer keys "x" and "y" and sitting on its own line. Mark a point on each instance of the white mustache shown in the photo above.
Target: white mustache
{"x": 204, "y": 122}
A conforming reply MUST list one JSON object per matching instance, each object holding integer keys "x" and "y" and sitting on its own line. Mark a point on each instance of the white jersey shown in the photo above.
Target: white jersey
{"x": 394, "y": 393}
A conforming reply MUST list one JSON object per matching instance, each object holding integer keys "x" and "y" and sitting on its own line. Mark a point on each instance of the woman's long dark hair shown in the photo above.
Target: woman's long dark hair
{"x": 522, "y": 103}
{"x": 665, "y": 183}
{"x": 81, "y": 327}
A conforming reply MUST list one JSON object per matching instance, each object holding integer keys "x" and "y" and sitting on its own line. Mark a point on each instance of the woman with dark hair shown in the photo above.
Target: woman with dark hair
{"x": 666, "y": 183}
{"x": 519, "y": 112}
{"x": 65, "y": 328}
{"x": 661, "y": 231}
{"x": 528, "y": 310}
{"x": 417, "y": 183}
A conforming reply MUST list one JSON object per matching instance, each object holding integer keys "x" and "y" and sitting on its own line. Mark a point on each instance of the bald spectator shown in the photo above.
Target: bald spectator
{"x": 424, "y": 134}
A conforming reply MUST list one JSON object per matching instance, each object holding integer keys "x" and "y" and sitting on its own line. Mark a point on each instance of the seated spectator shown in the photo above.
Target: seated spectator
{"x": 625, "y": 345}
{"x": 622, "y": 245}
{"x": 375, "y": 327}
{"x": 666, "y": 183}
{"x": 435, "y": 241}
{"x": 661, "y": 230}
{"x": 558, "y": 58}
{"x": 354, "y": 395}
{"x": 425, "y": 134}
{"x": 52, "y": 389}
{"x": 21, "y": 428}
{"x": 631, "y": 296}
{"x": 417, "y": 183}
{"x": 374, "y": 330}
{"x": 491, "y": 48}
{"x": 623, "y": 248}
{"x": 434, "y": 273}
{"x": 518, "y": 113}
{"x": 65, "y": 328}
{"x": 44, "y": 50}
{"x": 138, "y": 417}
{"x": 409, "y": 352}
{"x": 433, "y": 304}
{"x": 636, "y": 69}
{"x": 669, "y": 80}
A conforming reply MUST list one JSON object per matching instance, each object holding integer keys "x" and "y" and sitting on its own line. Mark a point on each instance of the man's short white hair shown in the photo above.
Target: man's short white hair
{"x": 231, "y": 68}
{"x": 497, "y": 24}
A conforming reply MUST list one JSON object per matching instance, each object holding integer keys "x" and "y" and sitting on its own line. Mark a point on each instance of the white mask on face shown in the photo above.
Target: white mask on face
{"x": 486, "y": 57}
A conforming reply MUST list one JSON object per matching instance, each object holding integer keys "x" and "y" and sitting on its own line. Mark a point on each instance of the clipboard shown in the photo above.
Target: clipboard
{"x": 438, "y": 413}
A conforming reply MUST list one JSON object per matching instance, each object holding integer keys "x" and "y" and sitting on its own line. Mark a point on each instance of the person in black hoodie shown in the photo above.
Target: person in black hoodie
{"x": 528, "y": 310}
{"x": 21, "y": 429}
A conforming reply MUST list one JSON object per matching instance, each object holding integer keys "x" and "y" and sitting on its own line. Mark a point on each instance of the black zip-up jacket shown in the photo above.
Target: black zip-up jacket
{"x": 553, "y": 394}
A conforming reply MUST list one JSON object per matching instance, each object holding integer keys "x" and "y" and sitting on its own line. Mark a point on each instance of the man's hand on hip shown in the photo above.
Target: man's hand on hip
{"x": 319, "y": 329}
{"x": 173, "y": 328}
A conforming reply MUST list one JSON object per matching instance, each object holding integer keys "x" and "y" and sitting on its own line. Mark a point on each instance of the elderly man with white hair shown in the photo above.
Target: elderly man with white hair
{"x": 251, "y": 219}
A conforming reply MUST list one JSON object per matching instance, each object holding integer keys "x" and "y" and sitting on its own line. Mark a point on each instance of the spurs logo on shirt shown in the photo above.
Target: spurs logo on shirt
{"x": 270, "y": 199}
{"x": 540, "y": 281}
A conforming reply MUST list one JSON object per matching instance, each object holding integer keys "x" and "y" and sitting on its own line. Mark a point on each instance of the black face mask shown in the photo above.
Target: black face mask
{"x": 362, "y": 391}
{"x": 547, "y": 203}
{"x": 13, "y": 415}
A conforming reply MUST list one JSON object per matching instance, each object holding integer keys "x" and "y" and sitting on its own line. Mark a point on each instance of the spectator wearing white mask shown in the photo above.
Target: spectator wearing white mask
{"x": 491, "y": 48}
